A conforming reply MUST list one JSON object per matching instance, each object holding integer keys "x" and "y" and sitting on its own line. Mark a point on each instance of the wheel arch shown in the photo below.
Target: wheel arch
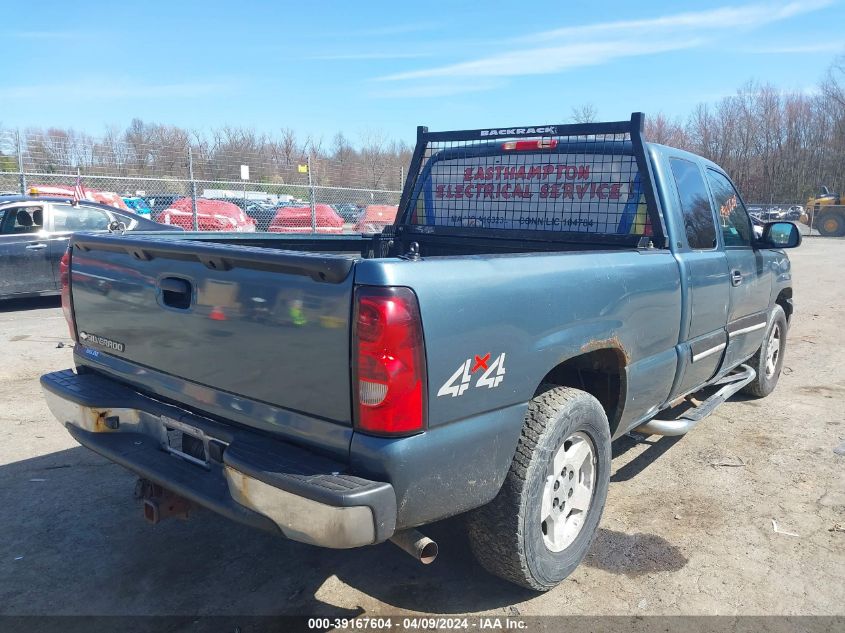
{"x": 784, "y": 300}
{"x": 601, "y": 372}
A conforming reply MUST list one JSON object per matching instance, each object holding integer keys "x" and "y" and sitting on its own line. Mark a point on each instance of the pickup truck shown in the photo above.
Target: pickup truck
{"x": 543, "y": 291}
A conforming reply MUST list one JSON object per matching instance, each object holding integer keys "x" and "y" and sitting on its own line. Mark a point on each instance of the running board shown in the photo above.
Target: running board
{"x": 688, "y": 419}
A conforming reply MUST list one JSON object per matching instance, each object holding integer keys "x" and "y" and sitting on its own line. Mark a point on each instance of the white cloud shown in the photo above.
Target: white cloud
{"x": 541, "y": 61}
{"x": 719, "y": 19}
{"x": 604, "y": 42}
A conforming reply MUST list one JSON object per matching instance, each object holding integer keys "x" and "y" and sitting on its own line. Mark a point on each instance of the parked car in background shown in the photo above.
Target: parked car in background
{"x": 94, "y": 195}
{"x": 298, "y": 220}
{"x": 262, "y": 214}
{"x": 138, "y": 205}
{"x": 261, "y": 211}
{"x": 376, "y": 217}
{"x": 212, "y": 215}
{"x": 795, "y": 213}
{"x": 348, "y": 211}
{"x": 34, "y": 233}
{"x": 160, "y": 201}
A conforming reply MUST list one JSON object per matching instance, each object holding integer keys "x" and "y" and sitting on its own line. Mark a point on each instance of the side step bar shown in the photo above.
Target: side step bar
{"x": 688, "y": 419}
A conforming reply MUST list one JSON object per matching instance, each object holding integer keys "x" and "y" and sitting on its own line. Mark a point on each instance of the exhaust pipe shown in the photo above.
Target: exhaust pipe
{"x": 417, "y": 545}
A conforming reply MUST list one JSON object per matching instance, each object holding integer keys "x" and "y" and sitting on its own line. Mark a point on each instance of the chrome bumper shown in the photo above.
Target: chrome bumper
{"x": 343, "y": 524}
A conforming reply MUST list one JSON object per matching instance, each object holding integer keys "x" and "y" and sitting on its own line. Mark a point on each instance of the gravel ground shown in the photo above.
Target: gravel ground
{"x": 689, "y": 526}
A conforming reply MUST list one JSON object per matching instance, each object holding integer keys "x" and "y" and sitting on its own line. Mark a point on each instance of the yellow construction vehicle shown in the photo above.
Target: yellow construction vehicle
{"x": 827, "y": 211}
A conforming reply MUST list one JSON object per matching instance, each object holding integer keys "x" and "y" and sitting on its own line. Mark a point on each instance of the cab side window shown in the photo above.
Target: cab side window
{"x": 67, "y": 217}
{"x": 695, "y": 204}
{"x": 733, "y": 218}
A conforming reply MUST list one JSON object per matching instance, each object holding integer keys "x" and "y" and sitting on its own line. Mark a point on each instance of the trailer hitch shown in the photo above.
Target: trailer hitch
{"x": 160, "y": 503}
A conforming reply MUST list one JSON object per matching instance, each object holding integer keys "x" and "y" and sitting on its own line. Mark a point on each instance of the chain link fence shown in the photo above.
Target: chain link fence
{"x": 204, "y": 185}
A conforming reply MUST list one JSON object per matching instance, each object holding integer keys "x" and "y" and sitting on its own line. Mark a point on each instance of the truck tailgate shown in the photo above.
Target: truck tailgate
{"x": 266, "y": 324}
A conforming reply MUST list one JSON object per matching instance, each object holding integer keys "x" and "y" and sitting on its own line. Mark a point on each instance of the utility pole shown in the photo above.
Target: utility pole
{"x": 311, "y": 192}
{"x": 193, "y": 188}
{"x": 22, "y": 175}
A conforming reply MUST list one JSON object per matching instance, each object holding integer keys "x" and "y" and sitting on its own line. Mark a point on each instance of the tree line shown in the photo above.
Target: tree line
{"x": 152, "y": 150}
{"x": 777, "y": 146}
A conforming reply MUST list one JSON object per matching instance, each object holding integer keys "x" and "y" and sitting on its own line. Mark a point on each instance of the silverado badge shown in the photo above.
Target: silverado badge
{"x": 101, "y": 341}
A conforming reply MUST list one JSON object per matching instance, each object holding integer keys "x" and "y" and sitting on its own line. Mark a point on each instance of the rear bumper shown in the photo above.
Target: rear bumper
{"x": 249, "y": 478}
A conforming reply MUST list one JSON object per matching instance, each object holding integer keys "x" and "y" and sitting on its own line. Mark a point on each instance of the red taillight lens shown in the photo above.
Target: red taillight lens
{"x": 389, "y": 378}
{"x": 64, "y": 282}
{"x": 522, "y": 146}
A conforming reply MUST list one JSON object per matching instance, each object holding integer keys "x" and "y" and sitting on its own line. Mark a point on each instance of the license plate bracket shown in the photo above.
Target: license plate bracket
{"x": 179, "y": 438}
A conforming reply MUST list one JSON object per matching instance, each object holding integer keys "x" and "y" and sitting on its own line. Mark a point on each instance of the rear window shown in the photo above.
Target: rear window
{"x": 695, "y": 204}
{"x": 580, "y": 186}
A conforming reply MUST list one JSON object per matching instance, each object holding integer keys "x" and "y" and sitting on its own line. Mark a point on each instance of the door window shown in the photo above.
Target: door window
{"x": 733, "y": 218}
{"x": 695, "y": 204}
{"x": 22, "y": 220}
{"x": 67, "y": 217}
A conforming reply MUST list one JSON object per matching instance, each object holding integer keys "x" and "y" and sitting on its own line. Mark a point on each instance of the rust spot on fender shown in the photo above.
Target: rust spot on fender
{"x": 612, "y": 343}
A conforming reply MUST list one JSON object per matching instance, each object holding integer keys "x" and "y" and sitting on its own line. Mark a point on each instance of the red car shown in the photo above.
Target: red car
{"x": 298, "y": 220}
{"x": 376, "y": 217}
{"x": 212, "y": 215}
{"x": 66, "y": 191}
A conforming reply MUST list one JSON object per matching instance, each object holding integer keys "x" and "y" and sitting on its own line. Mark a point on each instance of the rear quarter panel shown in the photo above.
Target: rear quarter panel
{"x": 537, "y": 310}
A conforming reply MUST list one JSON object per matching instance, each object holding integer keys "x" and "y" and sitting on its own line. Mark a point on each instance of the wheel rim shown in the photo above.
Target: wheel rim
{"x": 773, "y": 351}
{"x": 568, "y": 491}
{"x": 830, "y": 225}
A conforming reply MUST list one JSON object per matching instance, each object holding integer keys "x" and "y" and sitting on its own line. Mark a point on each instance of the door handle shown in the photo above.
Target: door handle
{"x": 36, "y": 247}
{"x": 736, "y": 278}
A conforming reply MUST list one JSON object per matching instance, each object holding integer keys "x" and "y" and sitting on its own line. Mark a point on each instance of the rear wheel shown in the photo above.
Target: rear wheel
{"x": 541, "y": 524}
{"x": 768, "y": 361}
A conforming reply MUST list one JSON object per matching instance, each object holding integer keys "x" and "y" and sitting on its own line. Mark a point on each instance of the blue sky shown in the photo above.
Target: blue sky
{"x": 328, "y": 66}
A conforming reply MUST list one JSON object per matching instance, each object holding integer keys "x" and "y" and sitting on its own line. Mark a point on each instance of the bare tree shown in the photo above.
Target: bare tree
{"x": 585, "y": 113}
{"x": 374, "y": 156}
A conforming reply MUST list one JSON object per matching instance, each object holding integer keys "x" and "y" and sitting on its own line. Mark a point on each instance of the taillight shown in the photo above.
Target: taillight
{"x": 522, "y": 146}
{"x": 64, "y": 282}
{"x": 389, "y": 378}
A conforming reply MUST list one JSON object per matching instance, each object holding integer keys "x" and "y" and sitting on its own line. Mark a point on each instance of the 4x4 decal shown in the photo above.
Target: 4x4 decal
{"x": 459, "y": 382}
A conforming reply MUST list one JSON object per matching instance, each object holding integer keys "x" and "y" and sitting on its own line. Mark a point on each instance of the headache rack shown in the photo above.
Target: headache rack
{"x": 576, "y": 183}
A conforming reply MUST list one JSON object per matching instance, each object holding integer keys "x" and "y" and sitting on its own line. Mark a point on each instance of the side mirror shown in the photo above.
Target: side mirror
{"x": 780, "y": 235}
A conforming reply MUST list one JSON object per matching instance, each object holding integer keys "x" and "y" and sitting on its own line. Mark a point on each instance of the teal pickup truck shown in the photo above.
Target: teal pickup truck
{"x": 543, "y": 291}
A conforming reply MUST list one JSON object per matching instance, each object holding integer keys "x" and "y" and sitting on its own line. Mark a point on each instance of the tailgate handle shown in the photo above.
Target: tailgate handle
{"x": 175, "y": 292}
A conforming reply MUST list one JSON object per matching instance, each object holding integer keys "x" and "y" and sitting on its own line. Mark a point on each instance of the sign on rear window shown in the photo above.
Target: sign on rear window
{"x": 548, "y": 191}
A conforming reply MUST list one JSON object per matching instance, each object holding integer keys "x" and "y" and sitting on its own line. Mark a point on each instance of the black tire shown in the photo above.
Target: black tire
{"x": 506, "y": 535}
{"x": 831, "y": 224}
{"x": 763, "y": 384}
